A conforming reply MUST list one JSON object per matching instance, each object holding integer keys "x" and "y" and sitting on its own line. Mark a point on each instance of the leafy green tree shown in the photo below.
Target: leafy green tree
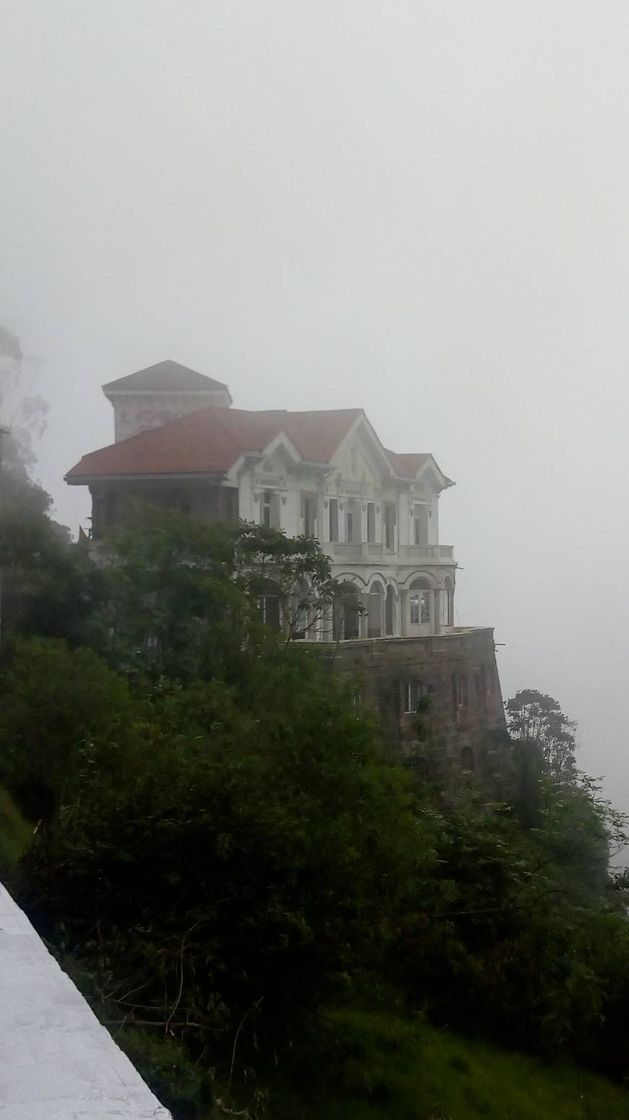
{"x": 50, "y": 587}
{"x": 254, "y": 853}
{"x": 296, "y": 571}
{"x": 60, "y": 707}
{"x": 186, "y": 598}
{"x": 172, "y": 606}
{"x": 510, "y": 941}
{"x": 537, "y": 723}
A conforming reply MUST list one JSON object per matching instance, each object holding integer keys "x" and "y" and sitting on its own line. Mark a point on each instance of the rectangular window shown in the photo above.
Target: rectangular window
{"x": 420, "y": 526}
{"x": 334, "y": 519}
{"x": 270, "y": 515}
{"x": 414, "y": 602}
{"x": 460, "y": 697}
{"x": 371, "y": 522}
{"x": 462, "y": 694}
{"x": 266, "y": 509}
{"x": 357, "y": 698}
{"x": 389, "y": 527}
{"x": 413, "y": 692}
{"x": 310, "y": 516}
{"x": 349, "y": 526}
{"x": 480, "y": 680}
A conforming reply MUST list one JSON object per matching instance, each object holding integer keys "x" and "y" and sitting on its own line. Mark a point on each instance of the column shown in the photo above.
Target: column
{"x": 436, "y": 607}
{"x": 403, "y": 614}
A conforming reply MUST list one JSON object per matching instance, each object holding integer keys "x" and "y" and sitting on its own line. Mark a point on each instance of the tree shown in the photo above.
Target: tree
{"x": 537, "y": 722}
{"x": 190, "y": 599}
{"x": 50, "y": 587}
{"x": 22, "y": 412}
{"x": 173, "y": 606}
{"x": 295, "y": 571}
{"x": 251, "y": 853}
{"x": 61, "y": 707}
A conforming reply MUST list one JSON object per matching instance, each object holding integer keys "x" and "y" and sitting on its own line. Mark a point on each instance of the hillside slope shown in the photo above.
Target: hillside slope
{"x": 379, "y": 1066}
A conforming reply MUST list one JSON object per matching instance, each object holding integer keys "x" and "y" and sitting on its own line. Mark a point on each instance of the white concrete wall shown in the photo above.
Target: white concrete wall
{"x": 56, "y": 1060}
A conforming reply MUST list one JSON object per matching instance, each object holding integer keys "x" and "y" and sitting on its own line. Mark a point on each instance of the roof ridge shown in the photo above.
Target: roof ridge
{"x": 162, "y": 369}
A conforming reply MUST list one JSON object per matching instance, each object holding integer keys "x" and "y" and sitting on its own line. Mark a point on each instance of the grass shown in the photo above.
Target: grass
{"x": 382, "y": 1066}
{"x": 15, "y": 833}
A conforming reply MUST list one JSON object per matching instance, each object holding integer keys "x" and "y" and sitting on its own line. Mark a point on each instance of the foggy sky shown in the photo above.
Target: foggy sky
{"x": 420, "y": 208}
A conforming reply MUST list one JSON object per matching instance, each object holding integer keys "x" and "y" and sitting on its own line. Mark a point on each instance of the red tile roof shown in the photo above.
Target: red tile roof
{"x": 407, "y": 465}
{"x": 212, "y": 440}
{"x": 164, "y": 377}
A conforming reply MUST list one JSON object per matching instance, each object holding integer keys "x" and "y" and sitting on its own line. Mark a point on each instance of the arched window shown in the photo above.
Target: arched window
{"x": 374, "y": 610}
{"x": 420, "y": 597}
{"x": 346, "y": 614}
{"x": 467, "y": 760}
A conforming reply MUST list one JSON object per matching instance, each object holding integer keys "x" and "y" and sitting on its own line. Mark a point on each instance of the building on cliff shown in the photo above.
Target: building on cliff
{"x": 180, "y": 444}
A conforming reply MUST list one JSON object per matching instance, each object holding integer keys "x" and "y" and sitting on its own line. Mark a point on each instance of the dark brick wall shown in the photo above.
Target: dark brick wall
{"x": 459, "y": 735}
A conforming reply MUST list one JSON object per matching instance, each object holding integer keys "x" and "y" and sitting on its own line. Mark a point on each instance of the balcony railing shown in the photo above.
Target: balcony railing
{"x": 427, "y": 552}
{"x": 355, "y": 551}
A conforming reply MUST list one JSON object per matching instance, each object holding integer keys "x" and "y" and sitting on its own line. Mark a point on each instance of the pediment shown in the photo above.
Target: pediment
{"x": 361, "y": 457}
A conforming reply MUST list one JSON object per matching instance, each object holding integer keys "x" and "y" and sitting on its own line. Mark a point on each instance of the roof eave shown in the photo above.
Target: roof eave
{"x": 88, "y": 479}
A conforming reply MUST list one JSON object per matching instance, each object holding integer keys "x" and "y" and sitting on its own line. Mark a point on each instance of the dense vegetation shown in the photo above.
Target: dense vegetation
{"x": 238, "y": 875}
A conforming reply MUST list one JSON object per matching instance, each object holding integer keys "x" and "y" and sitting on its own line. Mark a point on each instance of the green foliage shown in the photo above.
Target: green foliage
{"x": 224, "y": 845}
{"x": 62, "y": 707}
{"x": 365, "y": 1065}
{"x": 537, "y": 723}
{"x": 296, "y": 569}
{"x": 511, "y": 934}
{"x": 172, "y": 605}
{"x": 183, "y": 597}
{"x": 15, "y": 833}
{"x": 254, "y": 853}
{"x": 50, "y": 588}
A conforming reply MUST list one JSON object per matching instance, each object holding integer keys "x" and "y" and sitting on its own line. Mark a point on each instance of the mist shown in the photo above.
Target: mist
{"x": 417, "y": 208}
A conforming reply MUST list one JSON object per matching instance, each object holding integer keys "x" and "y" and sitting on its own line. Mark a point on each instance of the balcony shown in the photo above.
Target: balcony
{"x": 354, "y": 551}
{"x": 426, "y": 554}
{"x": 363, "y": 552}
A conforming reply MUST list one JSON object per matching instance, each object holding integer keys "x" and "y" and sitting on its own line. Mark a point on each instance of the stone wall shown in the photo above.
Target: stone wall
{"x": 458, "y": 736}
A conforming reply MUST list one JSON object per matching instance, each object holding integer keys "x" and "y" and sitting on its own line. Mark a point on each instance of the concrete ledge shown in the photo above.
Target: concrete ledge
{"x": 56, "y": 1060}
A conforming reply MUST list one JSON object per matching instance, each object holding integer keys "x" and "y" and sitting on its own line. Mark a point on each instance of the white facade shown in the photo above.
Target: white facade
{"x": 381, "y": 531}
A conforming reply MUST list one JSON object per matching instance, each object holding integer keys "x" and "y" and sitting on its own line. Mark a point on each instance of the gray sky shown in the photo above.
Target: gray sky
{"x": 416, "y": 207}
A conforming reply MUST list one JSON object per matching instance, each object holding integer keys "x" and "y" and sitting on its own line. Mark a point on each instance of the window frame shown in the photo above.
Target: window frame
{"x": 413, "y": 691}
{"x": 333, "y": 520}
